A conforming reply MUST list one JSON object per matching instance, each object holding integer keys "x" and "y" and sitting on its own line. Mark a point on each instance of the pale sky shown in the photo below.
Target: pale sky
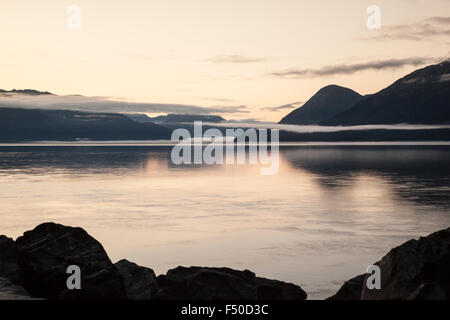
{"x": 251, "y": 55}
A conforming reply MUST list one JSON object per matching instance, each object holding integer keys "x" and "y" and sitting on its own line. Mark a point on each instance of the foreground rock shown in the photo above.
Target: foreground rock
{"x": 36, "y": 266}
{"x": 140, "y": 282}
{"x": 418, "y": 269}
{"x": 10, "y": 291}
{"x": 45, "y": 253}
{"x": 351, "y": 289}
{"x": 278, "y": 290}
{"x": 9, "y": 268}
{"x": 200, "y": 283}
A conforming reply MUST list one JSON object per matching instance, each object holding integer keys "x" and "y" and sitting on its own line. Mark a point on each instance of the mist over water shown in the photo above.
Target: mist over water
{"x": 319, "y": 128}
{"x": 328, "y": 213}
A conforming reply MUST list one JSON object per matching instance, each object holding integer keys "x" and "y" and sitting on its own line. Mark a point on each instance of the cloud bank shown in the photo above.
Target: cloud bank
{"x": 104, "y": 104}
{"x": 292, "y": 105}
{"x": 431, "y": 28}
{"x": 317, "y": 128}
{"x": 351, "y": 68}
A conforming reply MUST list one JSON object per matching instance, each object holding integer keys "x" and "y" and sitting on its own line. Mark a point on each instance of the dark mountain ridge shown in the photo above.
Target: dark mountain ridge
{"x": 39, "y": 125}
{"x": 421, "y": 97}
{"x": 325, "y": 104}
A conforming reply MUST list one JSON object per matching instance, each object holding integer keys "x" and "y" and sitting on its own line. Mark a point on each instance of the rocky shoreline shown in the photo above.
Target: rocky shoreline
{"x": 35, "y": 267}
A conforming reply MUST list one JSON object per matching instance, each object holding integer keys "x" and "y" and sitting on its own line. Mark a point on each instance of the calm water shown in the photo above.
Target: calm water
{"x": 329, "y": 212}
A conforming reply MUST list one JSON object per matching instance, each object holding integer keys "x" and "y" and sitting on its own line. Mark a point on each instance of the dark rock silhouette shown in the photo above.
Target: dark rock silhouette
{"x": 202, "y": 283}
{"x": 278, "y": 290}
{"x": 9, "y": 272}
{"x": 407, "y": 267}
{"x": 9, "y": 268}
{"x": 351, "y": 289}
{"x": 325, "y": 104}
{"x": 206, "y": 284}
{"x": 45, "y": 253}
{"x": 140, "y": 282}
{"x": 11, "y": 291}
{"x": 39, "y": 260}
{"x": 417, "y": 269}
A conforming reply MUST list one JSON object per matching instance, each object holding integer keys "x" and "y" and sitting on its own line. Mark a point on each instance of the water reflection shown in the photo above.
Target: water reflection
{"x": 328, "y": 213}
{"x": 416, "y": 173}
{"x": 78, "y": 160}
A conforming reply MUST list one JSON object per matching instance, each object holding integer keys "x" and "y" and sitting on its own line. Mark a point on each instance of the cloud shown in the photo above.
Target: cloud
{"x": 245, "y": 121}
{"x": 445, "y": 77}
{"x": 444, "y": 20}
{"x": 105, "y": 104}
{"x": 351, "y": 68}
{"x": 222, "y": 100}
{"x": 284, "y": 106}
{"x": 427, "y": 29}
{"x": 235, "y": 59}
{"x": 228, "y": 109}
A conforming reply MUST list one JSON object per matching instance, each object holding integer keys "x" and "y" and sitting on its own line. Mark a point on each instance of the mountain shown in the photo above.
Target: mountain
{"x": 325, "y": 104}
{"x": 38, "y": 125}
{"x": 175, "y": 118}
{"x": 421, "y": 97}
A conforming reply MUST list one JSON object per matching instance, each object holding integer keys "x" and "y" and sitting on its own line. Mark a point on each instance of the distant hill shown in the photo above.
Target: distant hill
{"x": 442, "y": 134}
{"x": 38, "y": 125}
{"x": 325, "y": 104}
{"x": 26, "y": 91}
{"x": 421, "y": 97}
{"x": 175, "y": 118}
{"x": 138, "y": 117}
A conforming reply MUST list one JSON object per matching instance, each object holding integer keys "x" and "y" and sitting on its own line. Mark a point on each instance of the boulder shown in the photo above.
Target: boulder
{"x": 199, "y": 283}
{"x": 36, "y": 265}
{"x": 11, "y": 291}
{"x": 278, "y": 290}
{"x": 407, "y": 267}
{"x": 45, "y": 253}
{"x": 417, "y": 269}
{"x": 351, "y": 289}
{"x": 140, "y": 282}
{"x": 9, "y": 267}
{"x": 202, "y": 283}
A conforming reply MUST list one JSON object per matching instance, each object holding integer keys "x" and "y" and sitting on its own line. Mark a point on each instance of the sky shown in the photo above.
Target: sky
{"x": 243, "y": 59}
